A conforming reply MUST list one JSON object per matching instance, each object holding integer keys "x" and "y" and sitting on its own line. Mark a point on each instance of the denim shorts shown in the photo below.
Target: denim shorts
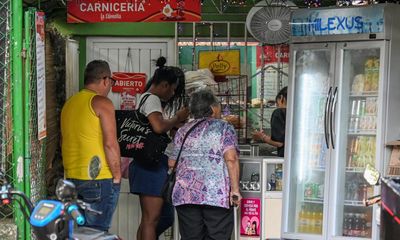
{"x": 102, "y": 195}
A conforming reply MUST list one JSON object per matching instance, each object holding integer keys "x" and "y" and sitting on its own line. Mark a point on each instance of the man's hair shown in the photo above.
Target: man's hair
{"x": 95, "y": 71}
{"x": 282, "y": 94}
{"x": 200, "y": 103}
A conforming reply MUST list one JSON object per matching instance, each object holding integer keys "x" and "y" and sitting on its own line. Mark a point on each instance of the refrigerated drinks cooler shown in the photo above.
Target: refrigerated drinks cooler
{"x": 344, "y": 93}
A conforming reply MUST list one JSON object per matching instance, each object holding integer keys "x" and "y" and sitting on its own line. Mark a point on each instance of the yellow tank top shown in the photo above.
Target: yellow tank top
{"x": 82, "y": 139}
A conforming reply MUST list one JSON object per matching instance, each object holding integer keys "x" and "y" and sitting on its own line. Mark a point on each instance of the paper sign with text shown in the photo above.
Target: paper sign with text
{"x": 250, "y": 217}
{"x": 131, "y": 83}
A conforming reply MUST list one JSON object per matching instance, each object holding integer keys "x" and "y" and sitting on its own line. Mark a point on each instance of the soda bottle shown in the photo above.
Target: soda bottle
{"x": 346, "y": 224}
{"x": 364, "y": 231}
{"x": 301, "y": 220}
{"x": 313, "y": 222}
{"x": 350, "y": 225}
{"x": 357, "y": 225}
{"x": 319, "y": 221}
{"x": 307, "y": 225}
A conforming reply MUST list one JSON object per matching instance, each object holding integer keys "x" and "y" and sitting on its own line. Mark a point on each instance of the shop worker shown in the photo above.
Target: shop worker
{"x": 278, "y": 122}
{"x": 90, "y": 150}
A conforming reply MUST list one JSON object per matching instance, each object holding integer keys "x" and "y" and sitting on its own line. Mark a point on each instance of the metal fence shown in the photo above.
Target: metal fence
{"x": 7, "y": 226}
{"x": 37, "y": 153}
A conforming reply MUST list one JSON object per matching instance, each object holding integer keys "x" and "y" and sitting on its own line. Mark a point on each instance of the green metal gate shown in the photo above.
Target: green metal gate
{"x": 22, "y": 155}
{"x": 7, "y": 223}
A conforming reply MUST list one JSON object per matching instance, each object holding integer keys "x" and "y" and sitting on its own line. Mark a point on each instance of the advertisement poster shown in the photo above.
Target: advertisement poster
{"x": 41, "y": 81}
{"x": 220, "y": 63}
{"x": 250, "y": 217}
{"x": 89, "y": 11}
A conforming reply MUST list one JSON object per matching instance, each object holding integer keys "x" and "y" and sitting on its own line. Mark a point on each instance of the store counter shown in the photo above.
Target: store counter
{"x": 261, "y": 189}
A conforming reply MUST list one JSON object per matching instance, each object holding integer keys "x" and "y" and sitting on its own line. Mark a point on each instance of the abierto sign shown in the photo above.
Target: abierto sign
{"x": 91, "y": 11}
{"x": 132, "y": 83}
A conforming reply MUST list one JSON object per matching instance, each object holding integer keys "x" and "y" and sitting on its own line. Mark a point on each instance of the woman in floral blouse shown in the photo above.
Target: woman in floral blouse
{"x": 207, "y": 176}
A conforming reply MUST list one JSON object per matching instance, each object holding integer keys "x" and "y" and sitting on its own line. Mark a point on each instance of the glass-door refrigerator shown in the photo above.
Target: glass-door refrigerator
{"x": 343, "y": 89}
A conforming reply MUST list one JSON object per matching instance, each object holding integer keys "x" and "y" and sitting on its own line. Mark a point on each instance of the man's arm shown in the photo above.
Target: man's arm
{"x": 104, "y": 109}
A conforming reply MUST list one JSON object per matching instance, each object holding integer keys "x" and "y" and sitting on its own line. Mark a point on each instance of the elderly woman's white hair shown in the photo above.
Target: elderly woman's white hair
{"x": 200, "y": 103}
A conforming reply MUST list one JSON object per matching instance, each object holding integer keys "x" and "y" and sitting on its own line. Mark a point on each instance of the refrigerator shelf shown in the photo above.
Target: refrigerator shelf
{"x": 365, "y": 94}
{"x": 313, "y": 200}
{"x": 354, "y": 203}
{"x": 364, "y": 133}
{"x": 355, "y": 169}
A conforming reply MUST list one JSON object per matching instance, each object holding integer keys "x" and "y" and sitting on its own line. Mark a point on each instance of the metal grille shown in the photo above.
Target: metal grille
{"x": 37, "y": 147}
{"x": 7, "y": 228}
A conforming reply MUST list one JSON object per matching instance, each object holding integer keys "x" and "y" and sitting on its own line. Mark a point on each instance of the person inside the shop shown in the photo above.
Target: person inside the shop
{"x": 278, "y": 122}
{"x": 147, "y": 183}
{"x": 90, "y": 151}
{"x": 207, "y": 174}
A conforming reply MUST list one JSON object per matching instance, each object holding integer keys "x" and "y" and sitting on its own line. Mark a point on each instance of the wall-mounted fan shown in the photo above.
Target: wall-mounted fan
{"x": 269, "y": 22}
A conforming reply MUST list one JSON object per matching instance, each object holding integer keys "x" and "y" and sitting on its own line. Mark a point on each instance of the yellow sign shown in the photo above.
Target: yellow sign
{"x": 220, "y": 63}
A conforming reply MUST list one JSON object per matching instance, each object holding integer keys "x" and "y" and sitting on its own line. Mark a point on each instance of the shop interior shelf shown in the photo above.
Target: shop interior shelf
{"x": 318, "y": 169}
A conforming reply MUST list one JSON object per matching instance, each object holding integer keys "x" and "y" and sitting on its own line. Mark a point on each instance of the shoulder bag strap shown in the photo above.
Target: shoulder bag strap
{"x": 143, "y": 100}
{"x": 184, "y": 139}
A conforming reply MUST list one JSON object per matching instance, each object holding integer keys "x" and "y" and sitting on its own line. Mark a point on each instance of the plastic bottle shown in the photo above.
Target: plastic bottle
{"x": 364, "y": 232}
{"x": 350, "y": 222}
{"x": 307, "y": 225}
{"x": 320, "y": 219}
{"x": 346, "y": 225}
{"x": 278, "y": 175}
{"x": 313, "y": 222}
{"x": 357, "y": 225}
{"x": 301, "y": 220}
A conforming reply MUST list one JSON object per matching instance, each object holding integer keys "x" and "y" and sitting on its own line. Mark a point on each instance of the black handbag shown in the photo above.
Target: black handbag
{"x": 168, "y": 187}
{"x": 138, "y": 140}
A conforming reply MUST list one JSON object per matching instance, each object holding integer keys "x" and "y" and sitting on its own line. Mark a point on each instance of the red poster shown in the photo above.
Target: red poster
{"x": 91, "y": 11}
{"x": 250, "y": 217}
{"x": 272, "y": 54}
{"x": 131, "y": 83}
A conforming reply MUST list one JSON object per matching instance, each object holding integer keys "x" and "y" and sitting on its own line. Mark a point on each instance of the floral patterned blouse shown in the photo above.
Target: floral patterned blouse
{"x": 202, "y": 175}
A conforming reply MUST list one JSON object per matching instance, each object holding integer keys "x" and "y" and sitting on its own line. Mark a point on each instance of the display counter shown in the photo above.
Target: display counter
{"x": 261, "y": 189}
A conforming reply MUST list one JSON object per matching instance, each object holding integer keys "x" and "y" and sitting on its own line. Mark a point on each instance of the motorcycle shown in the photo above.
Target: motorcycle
{"x": 54, "y": 219}
{"x": 389, "y": 200}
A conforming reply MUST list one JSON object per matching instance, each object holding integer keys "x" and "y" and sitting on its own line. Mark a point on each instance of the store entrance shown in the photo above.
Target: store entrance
{"x": 143, "y": 53}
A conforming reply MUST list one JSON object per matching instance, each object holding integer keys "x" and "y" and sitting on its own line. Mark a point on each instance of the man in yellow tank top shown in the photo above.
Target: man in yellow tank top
{"x": 90, "y": 150}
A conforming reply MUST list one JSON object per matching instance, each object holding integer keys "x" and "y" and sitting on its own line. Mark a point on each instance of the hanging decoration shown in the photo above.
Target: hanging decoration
{"x": 313, "y": 3}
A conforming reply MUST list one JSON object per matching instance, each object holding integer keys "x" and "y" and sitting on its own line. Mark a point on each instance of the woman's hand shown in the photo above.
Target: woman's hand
{"x": 171, "y": 164}
{"x": 182, "y": 114}
{"x": 235, "y": 198}
{"x": 261, "y": 136}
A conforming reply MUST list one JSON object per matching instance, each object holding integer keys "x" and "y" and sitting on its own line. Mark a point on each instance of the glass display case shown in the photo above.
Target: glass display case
{"x": 261, "y": 189}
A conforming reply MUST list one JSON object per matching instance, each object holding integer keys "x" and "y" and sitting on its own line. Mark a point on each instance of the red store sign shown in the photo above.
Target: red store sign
{"x": 132, "y": 83}
{"x": 273, "y": 54}
{"x": 91, "y": 11}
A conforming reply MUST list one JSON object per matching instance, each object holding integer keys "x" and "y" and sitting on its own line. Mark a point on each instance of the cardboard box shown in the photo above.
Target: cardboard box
{"x": 394, "y": 162}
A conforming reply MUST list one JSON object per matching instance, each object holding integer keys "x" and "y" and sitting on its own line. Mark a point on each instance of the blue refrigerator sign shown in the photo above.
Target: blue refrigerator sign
{"x": 337, "y": 21}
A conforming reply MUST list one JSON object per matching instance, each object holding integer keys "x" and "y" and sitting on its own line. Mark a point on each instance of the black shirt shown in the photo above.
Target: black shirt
{"x": 278, "y": 122}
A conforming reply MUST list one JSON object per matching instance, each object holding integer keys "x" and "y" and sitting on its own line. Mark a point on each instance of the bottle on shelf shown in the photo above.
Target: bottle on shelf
{"x": 319, "y": 221}
{"x": 302, "y": 220}
{"x": 278, "y": 175}
{"x": 313, "y": 221}
{"x": 308, "y": 216}
{"x": 346, "y": 225}
{"x": 357, "y": 225}
{"x": 350, "y": 224}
